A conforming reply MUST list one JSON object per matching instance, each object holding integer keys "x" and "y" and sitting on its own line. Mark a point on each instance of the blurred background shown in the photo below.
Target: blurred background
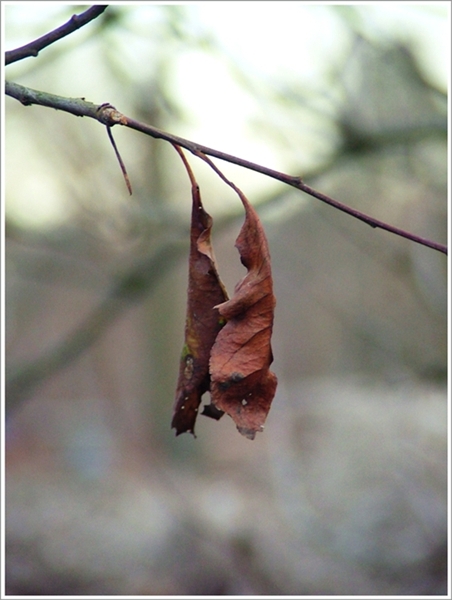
{"x": 345, "y": 492}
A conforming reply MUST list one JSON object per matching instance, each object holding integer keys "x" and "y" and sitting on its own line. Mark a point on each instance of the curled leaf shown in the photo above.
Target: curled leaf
{"x": 203, "y": 321}
{"x": 241, "y": 383}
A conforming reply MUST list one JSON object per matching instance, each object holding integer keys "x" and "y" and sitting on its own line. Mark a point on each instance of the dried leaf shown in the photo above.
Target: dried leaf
{"x": 203, "y": 321}
{"x": 241, "y": 383}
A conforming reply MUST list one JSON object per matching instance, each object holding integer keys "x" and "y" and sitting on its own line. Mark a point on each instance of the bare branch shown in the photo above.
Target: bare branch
{"x": 75, "y": 22}
{"x": 75, "y": 106}
{"x": 109, "y": 116}
{"x": 141, "y": 279}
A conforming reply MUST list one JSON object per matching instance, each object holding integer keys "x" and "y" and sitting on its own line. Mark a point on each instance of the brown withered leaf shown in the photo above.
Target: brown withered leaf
{"x": 241, "y": 383}
{"x": 203, "y": 321}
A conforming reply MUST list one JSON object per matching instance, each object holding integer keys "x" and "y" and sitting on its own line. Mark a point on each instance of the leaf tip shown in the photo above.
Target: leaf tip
{"x": 179, "y": 431}
{"x": 250, "y": 434}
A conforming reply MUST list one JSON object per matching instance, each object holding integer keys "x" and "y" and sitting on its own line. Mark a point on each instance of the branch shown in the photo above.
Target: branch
{"x": 74, "y": 23}
{"x": 109, "y": 116}
{"x": 141, "y": 279}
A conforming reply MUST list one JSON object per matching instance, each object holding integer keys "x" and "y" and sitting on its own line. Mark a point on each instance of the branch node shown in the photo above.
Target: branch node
{"x": 109, "y": 116}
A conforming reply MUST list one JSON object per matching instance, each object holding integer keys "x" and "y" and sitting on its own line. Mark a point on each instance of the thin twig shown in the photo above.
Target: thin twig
{"x": 121, "y": 163}
{"x": 295, "y": 182}
{"x": 108, "y": 115}
{"x": 75, "y": 22}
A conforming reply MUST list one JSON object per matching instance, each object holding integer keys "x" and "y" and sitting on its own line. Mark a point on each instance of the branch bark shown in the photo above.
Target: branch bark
{"x": 109, "y": 116}
{"x": 33, "y": 48}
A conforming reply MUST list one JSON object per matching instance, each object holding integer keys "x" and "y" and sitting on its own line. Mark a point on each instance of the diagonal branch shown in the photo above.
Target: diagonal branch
{"x": 140, "y": 280}
{"x": 109, "y": 116}
{"x": 75, "y": 22}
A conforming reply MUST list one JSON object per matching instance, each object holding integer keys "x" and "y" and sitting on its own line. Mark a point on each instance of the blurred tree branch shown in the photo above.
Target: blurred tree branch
{"x": 137, "y": 281}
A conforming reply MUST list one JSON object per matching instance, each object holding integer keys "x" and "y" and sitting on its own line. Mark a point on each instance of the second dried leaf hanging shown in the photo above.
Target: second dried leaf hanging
{"x": 242, "y": 384}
